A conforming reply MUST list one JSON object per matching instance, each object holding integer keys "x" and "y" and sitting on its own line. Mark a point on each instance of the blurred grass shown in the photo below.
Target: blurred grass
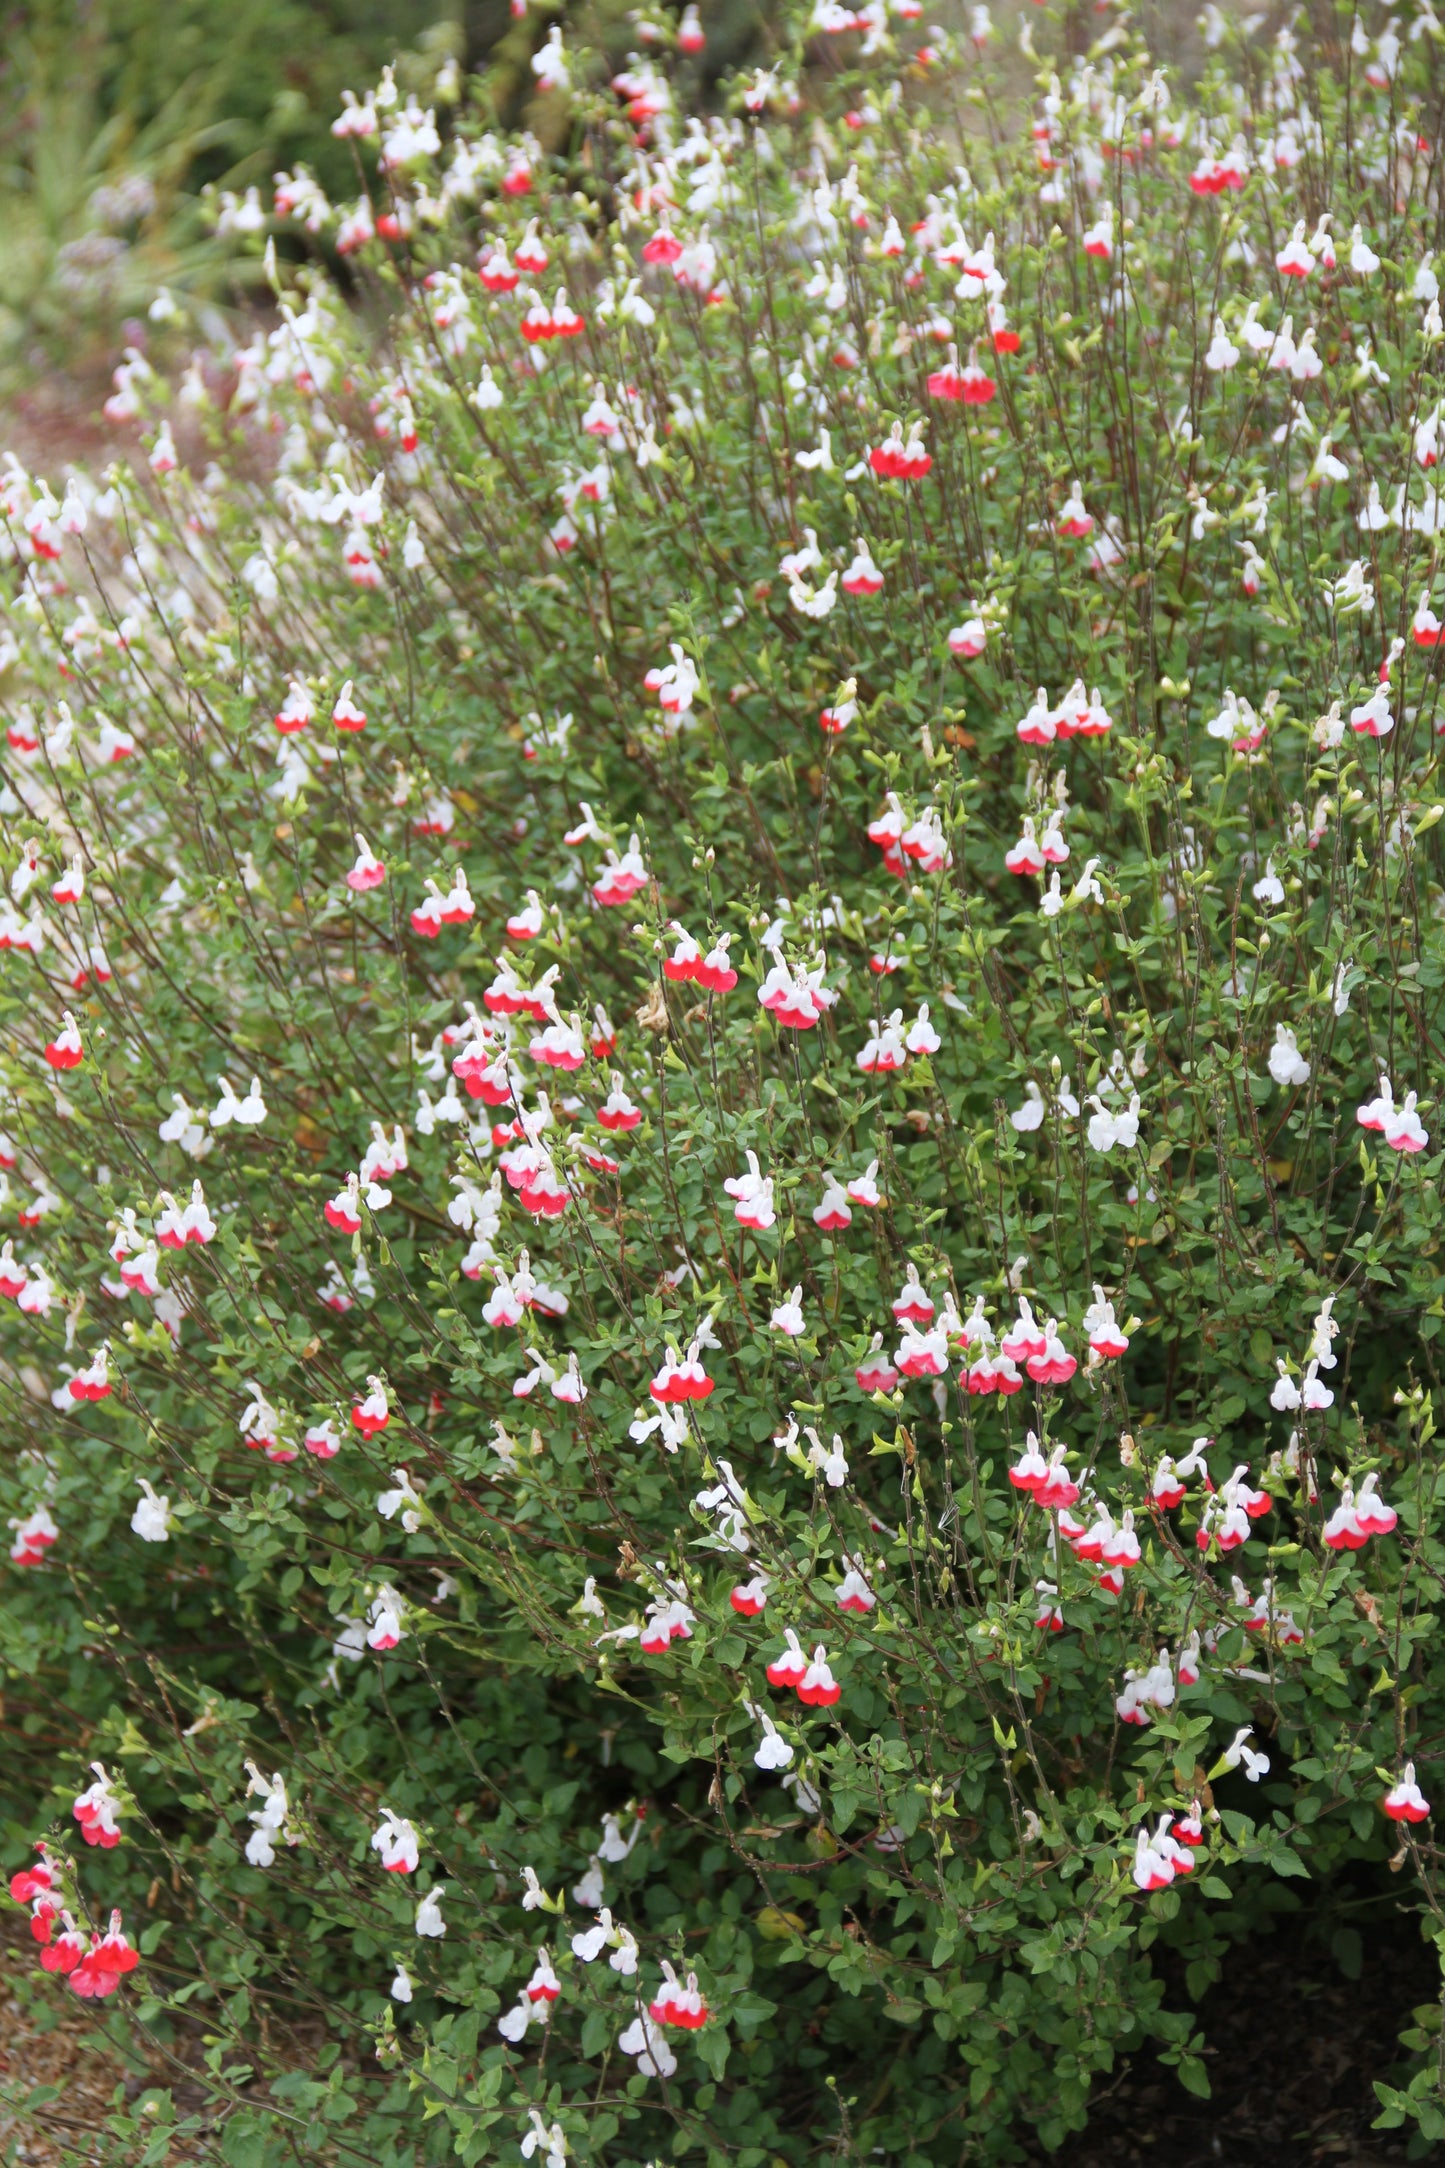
{"x": 115, "y": 114}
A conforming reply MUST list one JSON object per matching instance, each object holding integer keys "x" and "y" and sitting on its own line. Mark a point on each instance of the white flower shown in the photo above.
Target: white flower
{"x": 1352, "y": 592}
{"x": 1086, "y": 888}
{"x": 1031, "y": 1114}
{"x": 550, "y": 68}
{"x": 405, "y": 1498}
{"x": 513, "y": 2023}
{"x": 1314, "y": 1393}
{"x": 269, "y": 1818}
{"x": 552, "y": 2139}
{"x": 1324, "y": 1333}
{"x": 590, "y": 1890}
{"x": 429, "y": 1919}
{"x": 151, "y": 1519}
{"x": 828, "y": 1461}
{"x": 589, "y": 1944}
{"x": 773, "y": 1750}
{"x": 1256, "y": 1765}
{"x": 1287, "y": 1065}
{"x": 815, "y": 602}
{"x": 1286, "y": 1394}
{"x": 788, "y": 1316}
{"x": 624, "y": 1958}
{"x": 1269, "y": 888}
{"x": 646, "y": 2040}
{"x": 1102, "y": 1133}
{"x": 248, "y": 1113}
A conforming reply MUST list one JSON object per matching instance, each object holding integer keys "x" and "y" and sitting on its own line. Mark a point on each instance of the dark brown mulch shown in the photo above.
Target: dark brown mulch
{"x": 1294, "y": 2049}
{"x": 57, "y": 423}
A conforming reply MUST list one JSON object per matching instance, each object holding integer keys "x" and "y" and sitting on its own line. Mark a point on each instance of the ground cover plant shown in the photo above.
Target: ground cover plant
{"x": 722, "y": 1018}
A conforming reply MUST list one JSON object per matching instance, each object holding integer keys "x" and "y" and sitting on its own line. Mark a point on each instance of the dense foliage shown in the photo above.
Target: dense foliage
{"x": 721, "y": 1017}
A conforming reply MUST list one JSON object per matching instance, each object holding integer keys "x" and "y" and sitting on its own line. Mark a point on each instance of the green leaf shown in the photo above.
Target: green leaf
{"x": 713, "y": 2047}
{"x": 1348, "y": 1950}
{"x": 1193, "y": 2076}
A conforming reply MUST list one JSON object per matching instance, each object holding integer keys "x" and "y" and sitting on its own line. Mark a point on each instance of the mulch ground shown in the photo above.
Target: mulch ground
{"x": 44, "y": 2042}
{"x": 57, "y": 423}
{"x": 48, "y": 2037}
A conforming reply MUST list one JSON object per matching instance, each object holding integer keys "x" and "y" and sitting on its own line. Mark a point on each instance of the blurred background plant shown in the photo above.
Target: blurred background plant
{"x": 117, "y": 115}
{"x": 93, "y": 207}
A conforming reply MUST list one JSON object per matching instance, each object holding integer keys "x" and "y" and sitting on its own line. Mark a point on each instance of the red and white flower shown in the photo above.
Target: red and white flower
{"x": 863, "y": 1189}
{"x": 295, "y": 711}
{"x": 93, "y": 1382}
{"x": 66, "y": 1050}
{"x": 862, "y": 576}
{"x": 617, "y": 1112}
{"x": 752, "y": 1193}
{"x": 99, "y": 1972}
{"x": 678, "y": 2004}
{"x": 396, "y": 1841}
{"x": 373, "y": 1413}
{"x": 922, "y": 1354}
{"x": 1102, "y": 1330}
{"x": 899, "y": 461}
{"x": 1405, "y": 1802}
{"x": 1055, "y": 1489}
{"x": 669, "y": 1618}
{"x": 748, "y": 1597}
{"x": 1294, "y": 260}
{"x": 620, "y": 878}
{"x": 368, "y": 871}
{"x": 32, "y": 1537}
{"x": 834, "y": 1213}
{"x": 817, "y": 1687}
{"x": 676, "y": 683}
{"x": 346, "y": 714}
{"x": 1073, "y": 519}
{"x": 98, "y": 1811}
{"x": 876, "y": 1373}
{"x": 682, "y": 1377}
{"x": 853, "y": 1592}
{"x": 1357, "y": 1518}
{"x": 1167, "y": 1485}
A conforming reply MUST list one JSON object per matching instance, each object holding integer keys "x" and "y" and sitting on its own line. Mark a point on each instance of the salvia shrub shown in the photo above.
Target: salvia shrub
{"x": 723, "y": 1272}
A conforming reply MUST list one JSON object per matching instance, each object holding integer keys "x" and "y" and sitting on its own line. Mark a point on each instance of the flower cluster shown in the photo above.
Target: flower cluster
{"x": 718, "y": 1213}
